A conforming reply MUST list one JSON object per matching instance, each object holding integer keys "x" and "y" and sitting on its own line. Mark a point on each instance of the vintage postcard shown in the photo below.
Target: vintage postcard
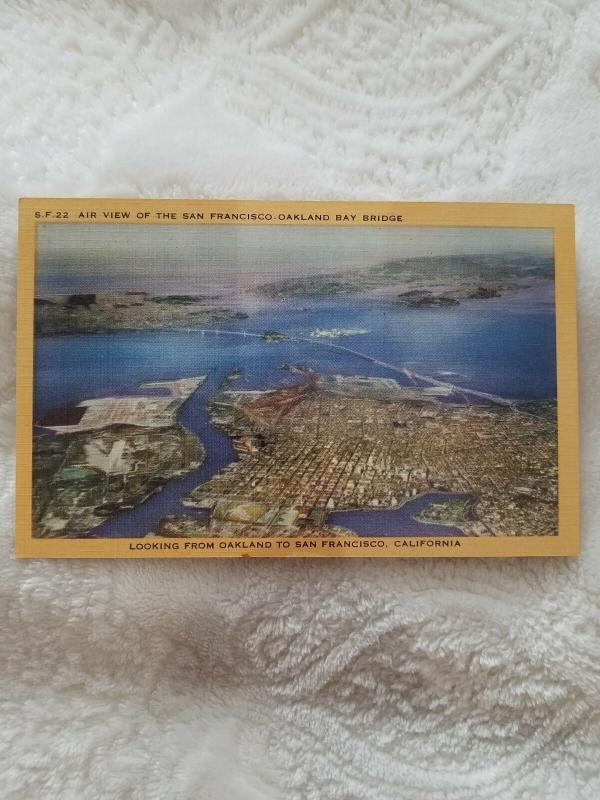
{"x": 292, "y": 379}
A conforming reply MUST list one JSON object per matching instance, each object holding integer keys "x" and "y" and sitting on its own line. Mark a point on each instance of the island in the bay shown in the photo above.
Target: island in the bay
{"x": 107, "y": 454}
{"x": 350, "y": 441}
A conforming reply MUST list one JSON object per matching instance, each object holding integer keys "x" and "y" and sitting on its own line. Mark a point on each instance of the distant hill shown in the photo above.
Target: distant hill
{"x": 471, "y": 267}
{"x": 110, "y": 311}
{"x": 308, "y": 286}
{"x": 451, "y": 269}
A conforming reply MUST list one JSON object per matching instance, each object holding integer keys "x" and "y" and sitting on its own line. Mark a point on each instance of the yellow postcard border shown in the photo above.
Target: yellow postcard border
{"x": 560, "y": 218}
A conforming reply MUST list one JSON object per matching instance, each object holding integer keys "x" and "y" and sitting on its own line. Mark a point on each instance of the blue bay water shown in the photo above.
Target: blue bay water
{"x": 491, "y": 348}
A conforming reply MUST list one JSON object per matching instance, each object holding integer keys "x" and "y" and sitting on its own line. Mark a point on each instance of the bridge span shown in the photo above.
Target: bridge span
{"x": 494, "y": 398}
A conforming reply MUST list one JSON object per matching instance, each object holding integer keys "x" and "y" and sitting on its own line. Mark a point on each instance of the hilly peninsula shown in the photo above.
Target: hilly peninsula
{"x": 424, "y": 281}
{"x": 111, "y": 311}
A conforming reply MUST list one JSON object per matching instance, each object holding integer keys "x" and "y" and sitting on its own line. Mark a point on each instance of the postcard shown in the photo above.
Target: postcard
{"x": 245, "y": 378}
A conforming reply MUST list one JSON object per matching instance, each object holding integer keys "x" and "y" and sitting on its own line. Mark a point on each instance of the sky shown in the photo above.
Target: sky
{"x": 178, "y": 257}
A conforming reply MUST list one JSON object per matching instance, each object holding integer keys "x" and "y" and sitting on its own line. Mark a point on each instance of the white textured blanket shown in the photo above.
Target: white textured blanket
{"x": 417, "y": 680}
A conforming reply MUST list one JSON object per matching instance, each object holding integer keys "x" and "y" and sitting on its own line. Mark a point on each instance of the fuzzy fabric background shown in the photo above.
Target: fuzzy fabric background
{"x": 415, "y": 680}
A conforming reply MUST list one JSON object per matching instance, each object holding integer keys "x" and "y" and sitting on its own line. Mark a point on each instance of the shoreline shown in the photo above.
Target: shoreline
{"x": 262, "y": 362}
{"x": 518, "y": 299}
{"x": 448, "y": 497}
